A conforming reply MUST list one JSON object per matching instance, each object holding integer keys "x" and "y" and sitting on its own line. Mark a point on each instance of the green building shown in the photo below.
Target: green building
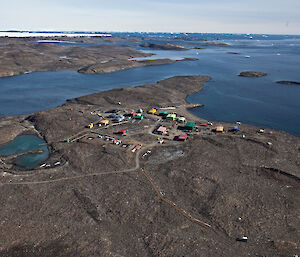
{"x": 171, "y": 116}
{"x": 163, "y": 113}
{"x": 190, "y": 126}
{"x": 180, "y": 119}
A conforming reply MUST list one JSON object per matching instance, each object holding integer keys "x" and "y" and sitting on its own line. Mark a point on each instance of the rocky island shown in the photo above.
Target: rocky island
{"x": 132, "y": 173}
{"x": 166, "y": 46}
{"x": 252, "y": 74}
{"x": 286, "y": 82}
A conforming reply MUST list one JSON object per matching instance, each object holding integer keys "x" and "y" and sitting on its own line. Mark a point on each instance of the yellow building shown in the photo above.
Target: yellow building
{"x": 91, "y": 125}
{"x": 104, "y": 122}
{"x": 152, "y": 111}
{"x": 220, "y": 129}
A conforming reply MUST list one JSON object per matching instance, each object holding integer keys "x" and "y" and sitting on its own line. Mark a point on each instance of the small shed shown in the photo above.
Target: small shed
{"x": 171, "y": 116}
{"x": 180, "y": 119}
{"x": 161, "y": 130}
{"x": 91, "y": 125}
{"x": 104, "y": 122}
{"x": 113, "y": 115}
{"x": 152, "y": 111}
{"x": 182, "y": 137}
{"x": 190, "y": 126}
{"x": 235, "y": 128}
{"x": 122, "y": 132}
{"x": 119, "y": 118}
{"x": 220, "y": 129}
{"x": 163, "y": 113}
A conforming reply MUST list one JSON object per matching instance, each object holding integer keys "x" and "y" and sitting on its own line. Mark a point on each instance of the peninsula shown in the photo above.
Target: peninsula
{"x": 91, "y": 55}
{"x": 132, "y": 173}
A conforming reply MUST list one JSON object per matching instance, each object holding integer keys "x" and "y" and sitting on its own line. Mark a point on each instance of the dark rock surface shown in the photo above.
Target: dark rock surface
{"x": 286, "y": 82}
{"x": 189, "y": 59}
{"x": 19, "y": 57}
{"x": 215, "y": 44}
{"x": 101, "y": 203}
{"x": 116, "y": 65}
{"x": 252, "y": 74}
{"x": 166, "y": 46}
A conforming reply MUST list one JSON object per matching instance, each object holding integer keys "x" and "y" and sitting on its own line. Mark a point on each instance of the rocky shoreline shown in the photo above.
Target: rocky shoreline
{"x": 24, "y": 56}
{"x": 112, "y": 66}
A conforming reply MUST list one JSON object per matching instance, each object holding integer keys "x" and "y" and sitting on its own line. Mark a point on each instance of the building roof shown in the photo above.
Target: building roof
{"x": 180, "y": 118}
{"x": 162, "y": 129}
{"x": 171, "y": 116}
{"x": 119, "y": 117}
{"x": 190, "y": 124}
{"x": 182, "y": 136}
{"x": 152, "y": 111}
{"x": 113, "y": 115}
{"x": 219, "y": 128}
{"x": 163, "y": 113}
{"x": 104, "y": 121}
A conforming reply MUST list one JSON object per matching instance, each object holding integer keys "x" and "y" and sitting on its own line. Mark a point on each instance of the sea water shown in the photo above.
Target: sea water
{"x": 227, "y": 97}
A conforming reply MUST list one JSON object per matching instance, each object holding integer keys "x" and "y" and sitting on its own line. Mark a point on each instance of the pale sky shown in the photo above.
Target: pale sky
{"x": 224, "y": 16}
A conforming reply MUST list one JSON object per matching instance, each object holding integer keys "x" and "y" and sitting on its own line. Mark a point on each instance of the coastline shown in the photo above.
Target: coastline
{"x": 26, "y": 55}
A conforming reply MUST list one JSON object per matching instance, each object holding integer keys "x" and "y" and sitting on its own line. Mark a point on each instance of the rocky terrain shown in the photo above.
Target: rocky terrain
{"x": 193, "y": 198}
{"x": 113, "y": 65}
{"x": 215, "y": 44}
{"x": 27, "y": 55}
{"x": 252, "y": 74}
{"x": 166, "y": 46}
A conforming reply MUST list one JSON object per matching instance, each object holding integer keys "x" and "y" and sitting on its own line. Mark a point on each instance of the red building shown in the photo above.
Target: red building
{"x": 122, "y": 132}
{"x": 182, "y": 137}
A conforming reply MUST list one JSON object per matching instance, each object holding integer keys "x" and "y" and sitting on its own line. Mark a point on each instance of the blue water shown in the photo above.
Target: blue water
{"x": 228, "y": 97}
{"x": 23, "y": 144}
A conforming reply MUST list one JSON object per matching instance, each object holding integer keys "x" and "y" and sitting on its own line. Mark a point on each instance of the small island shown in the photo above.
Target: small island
{"x": 189, "y": 59}
{"x": 286, "y": 82}
{"x": 252, "y": 74}
{"x": 167, "y": 46}
{"x": 215, "y": 44}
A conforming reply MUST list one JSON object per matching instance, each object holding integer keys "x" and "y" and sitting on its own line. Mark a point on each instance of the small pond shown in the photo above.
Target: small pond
{"x": 23, "y": 144}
